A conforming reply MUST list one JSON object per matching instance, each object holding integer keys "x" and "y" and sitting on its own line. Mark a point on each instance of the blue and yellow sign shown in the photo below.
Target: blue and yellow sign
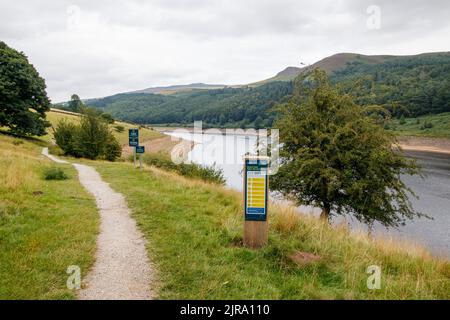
{"x": 133, "y": 137}
{"x": 256, "y": 188}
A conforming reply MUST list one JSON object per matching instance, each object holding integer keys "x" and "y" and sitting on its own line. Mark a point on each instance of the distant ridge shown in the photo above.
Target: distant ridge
{"x": 179, "y": 88}
{"x": 336, "y": 62}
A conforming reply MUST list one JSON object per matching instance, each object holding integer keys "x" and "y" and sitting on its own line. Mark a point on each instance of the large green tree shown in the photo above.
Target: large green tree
{"x": 339, "y": 159}
{"x": 23, "y": 99}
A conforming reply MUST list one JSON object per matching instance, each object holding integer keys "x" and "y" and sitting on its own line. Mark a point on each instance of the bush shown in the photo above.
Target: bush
{"x": 119, "y": 128}
{"x": 209, "y": 174}
{"x": 66, "y": 138}
{"x": 90, "y": 139}
{"x": 55, "y": 150}
{"x": 113, "y": 150}
{"x": 54, "y": 173}
{"x": 17, "y": 142}
{"x": 426, "y": 125}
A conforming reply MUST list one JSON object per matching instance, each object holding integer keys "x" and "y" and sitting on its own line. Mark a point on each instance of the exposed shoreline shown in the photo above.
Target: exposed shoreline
{"x": 436, "y": 145}
{"x": 410, "y": 143}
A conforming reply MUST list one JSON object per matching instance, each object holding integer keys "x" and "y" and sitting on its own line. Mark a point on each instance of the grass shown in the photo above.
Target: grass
{"x": 145, "y": 134}
{"x": 440, "y": 126}
{"x": 45, "y": 225}
{"x": 55, "y": 173}
{"x": 191, "y": 170}
{"x": 195, "y": 240}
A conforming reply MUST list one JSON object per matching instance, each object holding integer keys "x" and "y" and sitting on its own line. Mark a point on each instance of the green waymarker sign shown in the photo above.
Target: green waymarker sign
{"x": 140, "y": 149}
{"x": 256, "y": 186}
{"x": 133, "y": 137}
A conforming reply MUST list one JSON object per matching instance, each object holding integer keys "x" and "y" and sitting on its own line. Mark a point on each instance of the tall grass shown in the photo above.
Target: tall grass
{"x": 45, "y": 226}
{"x": 195, "y": 238}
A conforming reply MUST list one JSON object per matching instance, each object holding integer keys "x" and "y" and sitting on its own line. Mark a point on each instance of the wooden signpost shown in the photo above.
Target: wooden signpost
{"x": 256, "y": 186}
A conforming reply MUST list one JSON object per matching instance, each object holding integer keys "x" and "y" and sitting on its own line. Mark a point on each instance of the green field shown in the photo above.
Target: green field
{"x": 145, "y": 134}
{"x": 194, "y": 231}
{"x": 433, "y": 126}
{"x": 45, "y": 225}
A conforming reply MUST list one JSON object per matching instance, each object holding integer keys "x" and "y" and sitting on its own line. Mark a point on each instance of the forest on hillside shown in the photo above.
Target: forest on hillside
{"x": 406, "y": 86}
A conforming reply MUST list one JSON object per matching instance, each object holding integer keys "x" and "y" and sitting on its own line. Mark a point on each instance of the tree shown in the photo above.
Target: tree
{"x": 93, "y": 134}
{"x": 337, "y": 158}
{"x": 23, "y": 99}
{"x": 75, "y": 104}
{"x": 90, "y": 139}
{"x": 66, "y": 134}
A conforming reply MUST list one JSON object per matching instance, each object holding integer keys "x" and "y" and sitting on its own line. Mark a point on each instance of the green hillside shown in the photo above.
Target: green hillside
{"x": 433, "y": 126}
{"x": 408, "y": 86}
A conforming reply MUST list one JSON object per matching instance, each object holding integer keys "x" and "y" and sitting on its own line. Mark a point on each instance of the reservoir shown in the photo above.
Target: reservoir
{"x": 226, "y": 152}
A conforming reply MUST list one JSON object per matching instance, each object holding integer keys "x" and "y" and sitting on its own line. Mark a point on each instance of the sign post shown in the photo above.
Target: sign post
{"x": 256, "y": 185}
{"x": 140, "y": 150}
{"x": 133, "y": 141}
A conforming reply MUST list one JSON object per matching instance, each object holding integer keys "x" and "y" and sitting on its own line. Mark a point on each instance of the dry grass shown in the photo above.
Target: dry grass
{"x": 195, "y": 234}
{"x": 45, "y": 226}
{"x": 144, "y": 134}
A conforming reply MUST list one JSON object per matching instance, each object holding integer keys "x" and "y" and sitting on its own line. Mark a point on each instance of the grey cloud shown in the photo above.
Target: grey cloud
{"x": 126, "y": 45}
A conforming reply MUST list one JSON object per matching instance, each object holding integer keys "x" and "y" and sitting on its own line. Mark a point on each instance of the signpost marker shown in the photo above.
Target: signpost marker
{"x": 140, "y": 150}
{"x": 133, "y": 141}
{"x": 256, "y": 185}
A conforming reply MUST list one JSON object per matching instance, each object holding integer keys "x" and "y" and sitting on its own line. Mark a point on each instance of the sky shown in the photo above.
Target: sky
{"x": 98, "y": 48}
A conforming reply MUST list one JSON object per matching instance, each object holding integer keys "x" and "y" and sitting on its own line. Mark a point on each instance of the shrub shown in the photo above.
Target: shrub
{"x": 210, "y": 174}
{"x": 119, "y": 128}
{"x": 55, "y": 150}
{"x": 91, "y": 139}
{"x": 65, "y": 136}
{"x": 17, "y": 142}
{"x": 426, "y": 125}
{"x": 113, "y": 150}
{"x": 54, "y": 173}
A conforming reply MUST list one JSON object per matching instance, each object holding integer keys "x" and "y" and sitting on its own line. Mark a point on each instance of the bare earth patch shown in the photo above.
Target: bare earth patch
{"x": 439, "y": 145}
{"x": 304, "y": 258}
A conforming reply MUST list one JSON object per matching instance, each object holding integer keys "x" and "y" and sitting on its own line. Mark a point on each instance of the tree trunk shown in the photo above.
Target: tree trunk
{"x": 325, "y": 215}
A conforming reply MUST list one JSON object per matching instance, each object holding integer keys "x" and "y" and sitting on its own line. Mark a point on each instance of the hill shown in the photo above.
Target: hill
{"x": 406, "y": 85}
{"x": 119, "y": 128}
{"x": 179, "y": 88}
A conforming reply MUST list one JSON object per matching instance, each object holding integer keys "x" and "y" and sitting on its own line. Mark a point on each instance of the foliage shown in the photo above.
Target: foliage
{"x": 23, "y": 99}
{"x": 338, "y": 159}
{"x": 242, "y": 107}
{"x": 55, "y": 173}
{"x": 66, "y": 137}
{"x": 75, "y": 104}
{"x": 409, "y": 86}
{"x": 91, "y": 139}
{"x": 192, "y": 170}
{"x": 113, "y": 149}
{"x": 119, "y": 128}
{"x": 438, "y": 126}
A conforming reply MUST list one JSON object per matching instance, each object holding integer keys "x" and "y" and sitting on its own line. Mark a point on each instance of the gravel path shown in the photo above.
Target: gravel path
{"x": 122, "y": 269}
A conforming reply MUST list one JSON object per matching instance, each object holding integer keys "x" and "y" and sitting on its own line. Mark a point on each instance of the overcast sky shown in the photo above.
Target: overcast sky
{"x": 102, "y": 47}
